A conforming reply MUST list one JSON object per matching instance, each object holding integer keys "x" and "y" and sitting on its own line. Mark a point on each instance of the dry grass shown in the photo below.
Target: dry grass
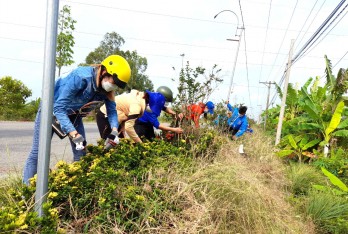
{"x": 234, "y": 194}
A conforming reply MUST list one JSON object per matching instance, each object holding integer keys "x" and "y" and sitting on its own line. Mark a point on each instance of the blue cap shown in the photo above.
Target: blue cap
{"x": 156, "y": 102}
{"x": 210, "y": 105}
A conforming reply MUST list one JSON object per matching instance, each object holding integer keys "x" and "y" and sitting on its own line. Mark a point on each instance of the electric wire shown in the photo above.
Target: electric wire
{"x": 265, "y": 41}
{"x": 306, "y": 45}
{"x": 279, "y": 51}
{"x": 312, "y": 46}
{"x": 306, "y": 20}
{"x": 310, "y": 25}
{"x": 293, "y": 12}
{"x": 284, "y": 61}
{"x": 245, "y": 52}
{"x": 340, "y": 60}
{"x": 264, "y": 46}
{"x": 309, "y": 42}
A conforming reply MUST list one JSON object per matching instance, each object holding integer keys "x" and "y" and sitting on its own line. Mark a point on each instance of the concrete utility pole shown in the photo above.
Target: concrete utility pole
{"x": 236, "y": 56}
{"x": 286, "y": 83}
{"x": 47, "y": 104}
{"x": 268, "y": 84}
{"x": 235, "y": 61}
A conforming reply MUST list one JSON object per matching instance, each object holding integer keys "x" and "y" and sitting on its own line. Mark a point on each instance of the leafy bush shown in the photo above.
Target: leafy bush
{"x": 337, "y": 164}
{"x": 124, "y": 187}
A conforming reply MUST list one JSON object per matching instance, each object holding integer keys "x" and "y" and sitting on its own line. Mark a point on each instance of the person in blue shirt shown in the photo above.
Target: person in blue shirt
{"x": 144, "y": 126}
{"x": 81, "y": 86}
{"x": 238, "y": 122}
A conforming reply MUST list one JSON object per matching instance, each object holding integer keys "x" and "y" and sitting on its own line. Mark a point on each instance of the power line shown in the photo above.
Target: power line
{"x": 264, "y": 44}
{"x": 306, "y": 20}
{"x": 321, "y": 27}
{"x": 314, "y": 37}
{"x": 312, "y": 46}
{"x": 293, "y": 11}
{"x": 246, "y": 57}
{"x": 310, "y": 23}
{"x": 300, "y": 32}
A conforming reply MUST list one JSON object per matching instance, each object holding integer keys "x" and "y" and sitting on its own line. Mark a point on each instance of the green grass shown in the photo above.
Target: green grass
{"x": 303, "y": 177}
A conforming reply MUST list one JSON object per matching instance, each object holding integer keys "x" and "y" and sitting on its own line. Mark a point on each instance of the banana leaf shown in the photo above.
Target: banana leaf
{"x": 330, "y": 79}
{"x": 308, "y": 82}
{"x": 303, "y": 141}
{"x": 292, "y": 142}
{"x": 335, "y": 120}
{"x": 334, "y": 180}
{"x": 284, "y": 153}
{"x": 309, "y": 126}
{"x": 343, "y": 124}
{"x": 311, "y": 144}
{"x": 340, "y": 133}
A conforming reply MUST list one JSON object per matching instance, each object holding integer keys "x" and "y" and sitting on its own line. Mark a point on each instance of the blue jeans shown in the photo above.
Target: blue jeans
{"x": 30, "y": 167}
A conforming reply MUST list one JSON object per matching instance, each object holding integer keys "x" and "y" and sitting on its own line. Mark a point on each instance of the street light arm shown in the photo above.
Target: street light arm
{"x": 231, "y": 12}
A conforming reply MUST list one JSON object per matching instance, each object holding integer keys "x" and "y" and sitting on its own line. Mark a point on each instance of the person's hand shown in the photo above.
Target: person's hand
{"x": 234, "y": 137}
{"x": 178, "y": 130}
{"x": 79, "y": 142}
{"x": 180, "y": 116}
{"x": 112, "y": 140}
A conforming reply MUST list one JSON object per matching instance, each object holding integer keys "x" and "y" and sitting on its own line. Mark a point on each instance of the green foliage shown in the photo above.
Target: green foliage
{"x": 195, "y": 85}
{"x": 335, "y": 121}
{"x": 337, "y": 163}
{"x": 297, "y": 148}
{"x": 18, "y": 215}
{"x": 125, "y": 186}
{"x": 328, "y": 211}
{"x": 335, "y": 181}
{"x": 13, "y": 94}
{"x": 303, "y": 177}
{"x": 112, "y": 44}
{"x": 65, "y": 39}
{"x": 314, "y": 112}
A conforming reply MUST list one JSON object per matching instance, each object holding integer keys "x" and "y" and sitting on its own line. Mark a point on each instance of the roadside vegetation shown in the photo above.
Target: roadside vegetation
{"x": 197, "y": 182}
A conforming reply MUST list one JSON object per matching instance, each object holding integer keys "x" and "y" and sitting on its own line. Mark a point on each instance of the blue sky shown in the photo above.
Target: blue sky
{"x": 163, "y": 30}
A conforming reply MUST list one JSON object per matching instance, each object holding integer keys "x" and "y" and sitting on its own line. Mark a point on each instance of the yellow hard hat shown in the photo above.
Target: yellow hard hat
{"x": 119, "y": 68}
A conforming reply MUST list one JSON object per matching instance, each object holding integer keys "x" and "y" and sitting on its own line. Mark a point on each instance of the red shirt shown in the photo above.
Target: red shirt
{"x": 195, "y": 111}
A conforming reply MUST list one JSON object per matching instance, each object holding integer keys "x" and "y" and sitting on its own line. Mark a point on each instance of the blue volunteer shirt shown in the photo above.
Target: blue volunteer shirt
{"x": 75, "y": 90}
{"x": 236, "y": 121}
{"x": 150, "y": 118}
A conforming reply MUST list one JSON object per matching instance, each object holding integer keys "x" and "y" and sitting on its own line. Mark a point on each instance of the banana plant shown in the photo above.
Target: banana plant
{"x": 342, "y": 187}
{"x": 298, "y": 147}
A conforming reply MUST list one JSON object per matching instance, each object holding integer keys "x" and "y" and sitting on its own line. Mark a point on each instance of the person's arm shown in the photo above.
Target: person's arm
{"x": 129, "y": 128}
{"x": 111, "y": 113}
{"x": 74, "y": 84}
{"x": 170, "y": 111}
{"x": 242, "y": 128}
{"x": 167, "y": 128}
{"x": 230, "y": 107}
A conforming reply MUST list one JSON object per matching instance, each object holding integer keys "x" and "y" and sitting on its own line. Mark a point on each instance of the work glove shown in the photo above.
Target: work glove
{"x": 79, "y": 142}
{"x": 112, "y": 140}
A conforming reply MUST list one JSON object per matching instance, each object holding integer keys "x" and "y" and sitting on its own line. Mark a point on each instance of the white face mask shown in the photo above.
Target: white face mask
{"x": 166, "y": 104}
{"x": 107, "y": 86}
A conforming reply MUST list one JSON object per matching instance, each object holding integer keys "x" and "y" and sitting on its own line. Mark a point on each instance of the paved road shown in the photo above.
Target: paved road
{"x": 15, "y": 144}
